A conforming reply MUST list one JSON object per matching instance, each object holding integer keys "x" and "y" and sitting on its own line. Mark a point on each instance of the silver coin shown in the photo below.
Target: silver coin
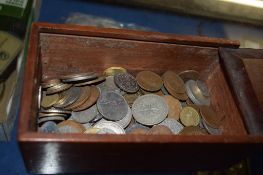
{"x": 112, "y": 106}
{"x": 49, "y": 127}
{"x": 149, "y": 109}
{"x": 106, "y": 131}
{"x": 115, "y": 127}
{"x": 135, "y": 126}
{"x": 87, "y": 125}
{"x": 97, "y": 118}
{"x": 210, "y": 130}
{"x": 126, "y": 120}
{"x": 52, "y": 118}
{"x": 196, "y": 97}
{"x": 202, "y": 87}
{"x": 68, "y": 129}
{"x": 173, "y": 125}
{"x": 164, "y": 90}
{"x": 39, "y": 98}
{"x": 126, "y": 82}
{"x": 86, "y": 115}
{"x": 73, "y": 95}
{"x": 55, "y": 110}
{"x": 79, "y": 77}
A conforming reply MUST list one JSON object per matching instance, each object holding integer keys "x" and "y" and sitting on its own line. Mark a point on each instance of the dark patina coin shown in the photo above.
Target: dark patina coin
{"x": 126, "y": 82}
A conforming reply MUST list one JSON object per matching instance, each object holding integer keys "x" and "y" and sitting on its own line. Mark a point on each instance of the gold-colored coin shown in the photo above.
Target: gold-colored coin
{"x": 174, "y": 107}
{"x": 189, "y": 116}
{"x": 92, "y": 131}
{"x": 111, "y": 71}
{"x": 49, "y": 100}
{"x": 149, "y": 81}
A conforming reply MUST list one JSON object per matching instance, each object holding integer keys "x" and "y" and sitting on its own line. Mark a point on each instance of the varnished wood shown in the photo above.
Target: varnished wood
{"x": 56, "y": 50}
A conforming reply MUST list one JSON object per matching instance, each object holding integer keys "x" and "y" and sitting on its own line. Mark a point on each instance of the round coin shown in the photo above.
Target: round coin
{"x": 71, "y": 95}
{"x": 173, "y": 83}
{"x": 50, "y": 82}
{"x": 149, "y": 109}
{"x": 126, "y": 82}
{"x": 49, "y": 100}
{"x": 173, "y": 125}
{"x": 126, "y": 120}
{"x": 210, "y": 130}
{"x": 192, "y": 130}
{"x": 189, "y": 116}
{"x": 174, "y": 107}
{"x": 115, "y": 127}
{"x": 195, "y": 94}
{"x": 139, "y": 131}
{"x": 86, "y": 115}
{"x": 149, "y": 81}
{"x": 50, "y": 118}
{"x": 85, "y": 93}
{"x": 49, "y": 127}
{"x": 111, "y": 71}
{"x": 112, "y": 106}
{"x": 97, "y": 80}
{"x": 70, "y": 126}
{"x": 189, "y": 75}
{"x": 159, "y": 130}
{"x": 210, "y": 117}
{"x": 202, "y": 87}
{"x": 79, "y": 77}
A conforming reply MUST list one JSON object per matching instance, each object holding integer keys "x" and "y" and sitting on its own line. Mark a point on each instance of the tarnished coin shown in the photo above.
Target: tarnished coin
{"x": 85, "y": 93}
{"x": 91, "y": 100}
{"x": 149, "y": 109}
{"x": 86, "y": 115}
{"x": 203, "y": 88}
{"x": 173, "y": 83}
{"x": 139, "y": 131}
{"x": 79, "y": 77}
{"x": 108, "y": 85}
{"x": 193, "y": 130}
{"x": 92, "y": 130}
{"x": 111, "y": 71}
{"x": 112, "y": 106}
{"x": 49, "y": 100}
{"x": 149, "y": 81}
{"x": 164, "y": 90}
{"x": 130, "y": 98}
{"x": 189, "y": 116}
{"x": 189, "y": 75}
{"x": 173, "y": 125}
{"x": 210, "y": 130}
{"x": 210, "y": 117}
{"x": 160, "y": 93}
{"x": 159, "y": 130}
{"x": 174, "y": 107}
{"x": 71, "y": 95}
{"x": 136, "y": 126}
{"x": 126, "y": 120}
{"x": 126, "y": 82}
{"x": 90, "y": 82}
{"x": 48, "y": 127}
{"x": 58, "y": 88}
{"x": 42, "y": 115}
{"x": 115, "y": 127}
{"x": 50, "y": 118}
{"x": 195, "y": 94}
{"x": 70, "y": 126}
{"x": 50, "y": 82}
{"x": 87, "y": 125}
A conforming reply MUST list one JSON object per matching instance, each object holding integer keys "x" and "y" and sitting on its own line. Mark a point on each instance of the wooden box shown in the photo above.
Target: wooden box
{"x": 60, "y": 49}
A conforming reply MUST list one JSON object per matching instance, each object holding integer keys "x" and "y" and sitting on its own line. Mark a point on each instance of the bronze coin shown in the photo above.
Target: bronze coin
{"x": 210, "y": 117}
{"x": 95, "y": 93}
{"x": 193, "y": 130}
{"x": 189, "y": 116}
{"x": 139, "y": 131}
{"x": 84, "y": 95}
{"x": 49, "y": 100}
{"x": 49, "y": 83}
{"x": 111, "y": 71}
{"x": 79, "y": 77}
{"x": 126, "y": 82}
{"x": 149, "y": 81}
{"x": 143, "y": 92}
{"x": 95, "y": 81}
{"x": 130, "y": 98}
{"x": 189, "y": 75}
{"x": 159, "y": 130}
{"x": 58, "y": 88}
{"x": 173, "y": 83}
{"x": 174, "y": 107}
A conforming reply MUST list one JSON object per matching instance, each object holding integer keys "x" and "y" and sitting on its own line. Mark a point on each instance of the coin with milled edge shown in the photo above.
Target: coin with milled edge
{"x": 189, "y": 75}
{"x": 49, "y": 100}
{"x": 174, "y": 107}
{"x": 149, "y": 81}
{"x": 111, "y": 71}
{"x": 126, "y": 82}
{"x": 111, "y": 126}
{"x": 49, "y": 127}
{"x": 173, "y": 125}
{"x": 86, "y": 115}
{"x": 70, "y": 126}
{"x": 112, "y": 106}
{"x": 189, "y": 117}
{"x": 159, "y": 130}
{"x": 149, "y": 109}
{"x": 126, "y": 120}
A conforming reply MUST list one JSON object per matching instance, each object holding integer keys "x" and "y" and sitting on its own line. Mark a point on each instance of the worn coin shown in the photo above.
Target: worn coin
{"x": 126, "y": 120}
{"x": 108, "y": 85}
{"x": 112, "y": 106}
{"x": 85, "y": 93}
{"x": 90, "y": 82}
{"x": 189, "y": 75}
{"x": 86, "y": 115}
{"x": 126, "y": 82}
{"x": 195, "y": 94}
{"x": 149, "y": 81}
{"x": 49, "y": 127}
{"x": 135, "y": 126}
{"x": 115, "y": 127}
{"x": 58, "y": 88}
{"x": 173, "y": 83}
{"x": 210, "y": 117}
{"x": 160, "y": 93}
{"x": 79, "y": 77}
{"x": 72, "y": 95}
{"x": 50, "y": 82}
{"x": 139, "y": 131}
{"x": 42, "y": 115}
{"x": 130, "y": 98}
{"x": 210, "y": 130}
{"x": 173, "y": 125}
{"x": 203, "y": 88}
{"x": 70, "y": 126}
{"x": 111, "y": 71}
{"x": 160, "y": 130}
{"x": 50, "y": 118}
{"x": 174, "y": 107}
{"x": 149, "y": 109}
{"x": 193, "y": 130}
{"x": 49, "y": 100}
{"x": 189, "y": 116}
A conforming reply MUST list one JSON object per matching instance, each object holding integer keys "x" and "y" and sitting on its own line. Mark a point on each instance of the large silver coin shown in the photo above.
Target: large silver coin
{"x": 112, "y": 106}
{"x": 126, "y": 82}
{"x": 113, "y": 126}
{"x": 173, "y": 125}
{"x": 149, "y": 109}
{"x": 126, "y": 120}
{"x": 49, "y": 127}
{"x": 85, "y": 116}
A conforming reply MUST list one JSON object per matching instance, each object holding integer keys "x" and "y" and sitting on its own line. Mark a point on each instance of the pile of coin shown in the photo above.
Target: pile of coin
{"x": 116, "y": 102}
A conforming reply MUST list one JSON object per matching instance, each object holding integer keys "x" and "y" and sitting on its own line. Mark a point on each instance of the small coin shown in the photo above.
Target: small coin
{"x": 174, "y": 107}
{"x": 210, "y": 117}
{"x": 111, "y": 71}
{"x": 49, "y": 100}
{"x": 58, "y": 88}
{"x": 51, "y": 118}
{"x": 50, "y": 82}
{"x": 139, "y": 131}
{"x": 78, "y": 77}
{"x": 149, "y": 81}
{"x": 85, "y": 93}
{"x": 130, "y": 98}
{"x": 149, "y": 109}
{"x": 210, "y": 130}
{"x": 91, "y": 82}
{"x": 70, "y": 126}
{"x": 91, "y": 100}
{"x": 203, "y": 88}
{"x": 112, "y": 106}
{"x": 159, "y": 130}
{"x": 173, "y": 125}
{"x": 126, "y": 82}
{"x": 86, "y": 115}
{"x": 126, "y": 120}
{"x": 115, "y": 127}
{"x": 49, "y": 127}
{"x": 193, "y": 130}
{"x": 189, "y": 75}
{"x": 173, "y": 83}
{"x": 189, "y": 116}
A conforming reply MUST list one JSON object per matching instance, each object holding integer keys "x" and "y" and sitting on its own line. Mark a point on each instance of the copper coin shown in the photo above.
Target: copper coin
{"x": 126, "y": 82}
{"x": 111, "y": 71}
{"x": 95, "y": 81}
{"x": 173, "y": 83}
{"x": 70, "y": 96}
{"x": 211, "y": 117}
{"x": 70, "y": 126}
{"x": 49, "y": 100}
{"x": 130, "y": 98}
{"x": 181, "y": 97}
{"x": 160, "y": 93}
{"x": 193, "y": 130}
{"x": 189, "y": 116}
{"x": 95, "y": 93}
{"x": 189, "y": 75}
{"x": 174, "y": 107}
{"x": 139, "y": 131}
{"x": 49, "y": 83}
{"x": 159, "y": 130}
{"x": 149, "y": 81}
{"x": 85, "y": 92}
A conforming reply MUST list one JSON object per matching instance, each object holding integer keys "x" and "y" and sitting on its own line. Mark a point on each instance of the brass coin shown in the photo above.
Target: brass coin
{"x": 58, "y": 88}
{"x": 84, "y": 96}
{"x": 97, "y": 80}
{"x": 92, "y": 130}
{"x": 149, "y": 81}
{"x": 174, "y": 107}
{"x": 210, "y": 117}
{"x": 49, "y": 100}
{"x": 189, "y": 116}
{"x": 111, "y": 71}
{"x": 69, "y": 97}
{"x": 173, "y": 83}
{"x": 95, "y": 93}
{"x": 139, "y": 131}
{"x": 189, "y": 75}
{"x": 70, "y": 126}
{"x": 50, "y": 118}
{"x": 193, "y": 130}
{"x": 49, "y": 83}
{"x": 159, "y": 130}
